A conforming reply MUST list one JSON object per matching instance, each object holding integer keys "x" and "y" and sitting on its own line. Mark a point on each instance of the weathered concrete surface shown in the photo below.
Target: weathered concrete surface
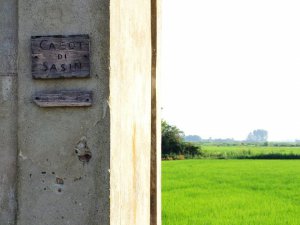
{"x": 8, "y": 149}
{"x": 54, "y": 186}
{"x": 8, "y": 117}
{"x": 8, "y": 37}
{"x": 130, "y": 103}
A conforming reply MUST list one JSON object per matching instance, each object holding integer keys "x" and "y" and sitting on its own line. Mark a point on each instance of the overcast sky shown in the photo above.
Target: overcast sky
{"x": 229, "y": 67}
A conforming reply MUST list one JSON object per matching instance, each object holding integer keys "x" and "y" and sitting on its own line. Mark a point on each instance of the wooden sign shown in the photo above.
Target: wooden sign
{"x": 60, "y": 56}
{"x": 63, "y": 99}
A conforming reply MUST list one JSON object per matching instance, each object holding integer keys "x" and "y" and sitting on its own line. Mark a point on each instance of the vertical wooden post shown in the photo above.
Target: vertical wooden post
{"x": 155, "y": 214}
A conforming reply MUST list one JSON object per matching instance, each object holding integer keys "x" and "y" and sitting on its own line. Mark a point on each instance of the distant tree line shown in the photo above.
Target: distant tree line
{"x": 258, "y": 136}
{"x": 175, "y": 145}
{"x": 192, "y": 138}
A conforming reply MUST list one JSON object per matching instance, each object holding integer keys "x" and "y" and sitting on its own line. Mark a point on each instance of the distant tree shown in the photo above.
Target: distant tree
{"x": 192, "y": 138}
{"x": 258, "y": 135}
{"x": 172, "y": 139}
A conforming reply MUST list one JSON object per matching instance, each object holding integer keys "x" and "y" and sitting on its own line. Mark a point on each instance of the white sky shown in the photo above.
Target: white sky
{"x": 229, "y": 67}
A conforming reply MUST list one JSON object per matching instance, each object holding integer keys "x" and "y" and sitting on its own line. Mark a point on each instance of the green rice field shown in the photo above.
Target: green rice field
{"x": 231, "y": 192}
{"x": 246, "y": 151}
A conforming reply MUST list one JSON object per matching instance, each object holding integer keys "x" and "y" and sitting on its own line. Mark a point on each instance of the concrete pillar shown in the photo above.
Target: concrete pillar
{"x": 56, "y": 183}
{"x": 54, "y": 186}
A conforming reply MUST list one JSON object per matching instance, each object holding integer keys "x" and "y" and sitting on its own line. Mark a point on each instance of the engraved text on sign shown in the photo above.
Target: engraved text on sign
{"x": 60, "y": 56}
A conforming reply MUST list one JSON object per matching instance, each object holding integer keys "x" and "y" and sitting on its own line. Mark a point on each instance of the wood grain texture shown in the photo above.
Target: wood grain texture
{"x": 63, "y": 99}
{"x": 155, "y": 188}
{"x": 60, "y": 56}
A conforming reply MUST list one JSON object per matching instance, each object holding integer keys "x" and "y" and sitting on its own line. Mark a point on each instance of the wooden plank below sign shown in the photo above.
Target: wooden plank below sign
{"x": 60, "y": 56}
{"x": 63, "y": 99}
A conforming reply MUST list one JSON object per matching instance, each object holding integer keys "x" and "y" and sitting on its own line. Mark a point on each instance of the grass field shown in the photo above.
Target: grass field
{"x": 240, "y": 151}
{"x": 231, "y": 192}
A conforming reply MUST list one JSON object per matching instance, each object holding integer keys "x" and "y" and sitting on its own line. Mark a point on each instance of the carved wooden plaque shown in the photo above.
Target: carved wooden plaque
{"x": 60, "y": 56}
{"x": 63, "y": 99}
